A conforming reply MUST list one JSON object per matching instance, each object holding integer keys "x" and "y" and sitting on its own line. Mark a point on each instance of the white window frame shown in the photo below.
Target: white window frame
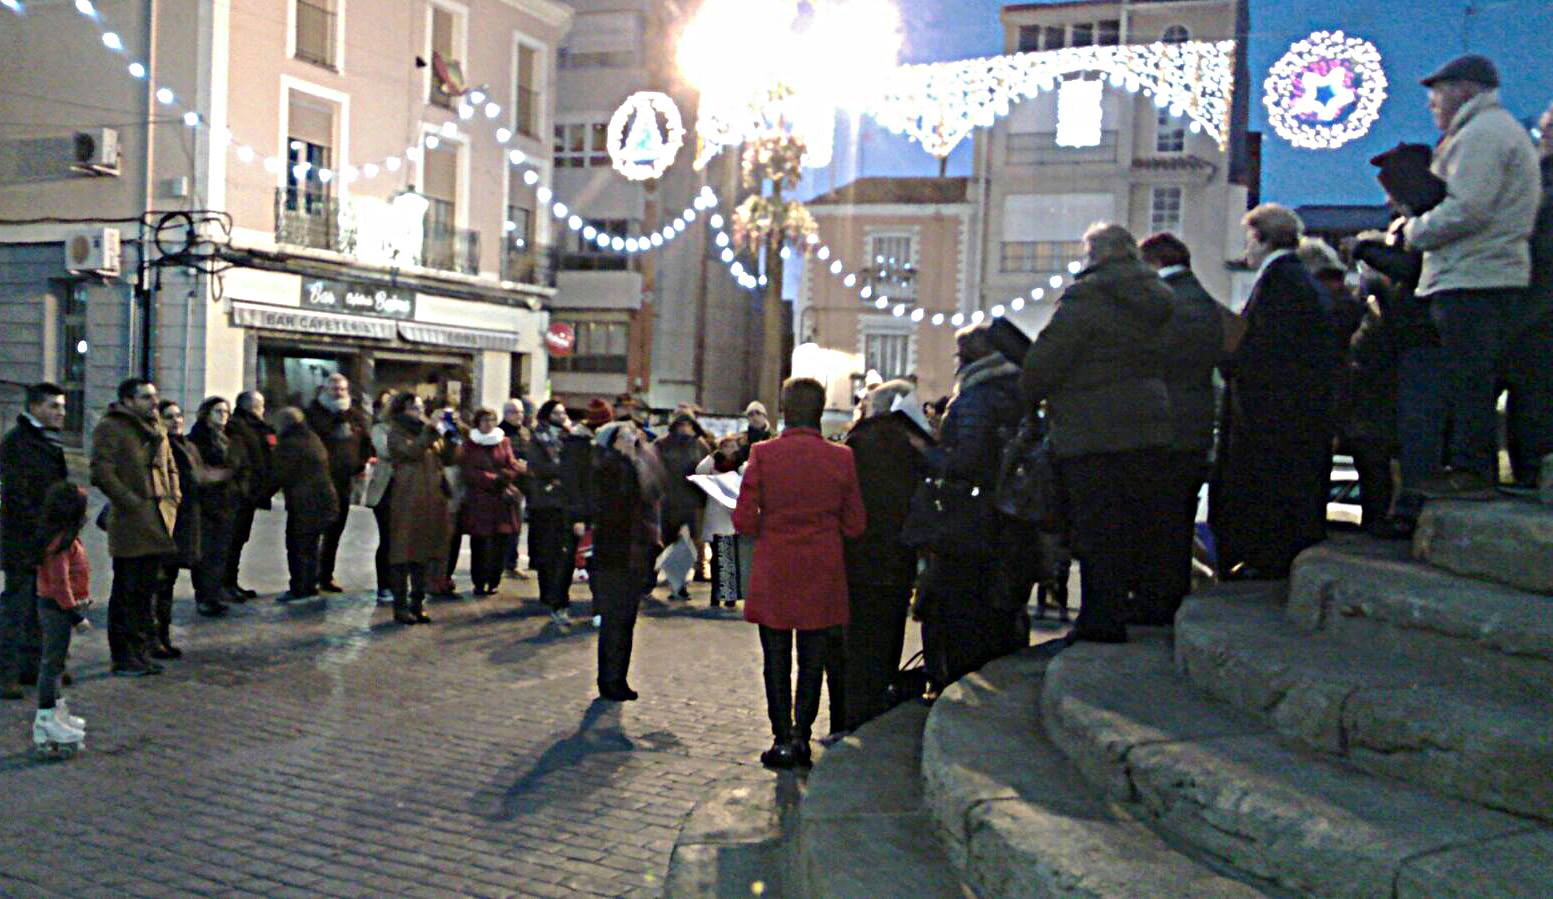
{"x": 888, "y": 326}
{"x": 338, "y": 63}
{"x": 460, "y": 40}
{"x": 1154, "y": 193}
{"x": 542, "y": 130}
{"x": 466, "y": 149}
{"x": 341, "y": 101}
{"x": 913, "y": 235}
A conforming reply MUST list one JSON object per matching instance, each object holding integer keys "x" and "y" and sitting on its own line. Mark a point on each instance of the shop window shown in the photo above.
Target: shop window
{"x": 602, "y": 348}
{"x": 1176, "y": 34}
{"x": 70, "y": 325}
{"x": 314, "y": 36}
{"x": 1165, "y": 209}
{"x": 1169, "y": 134}
{"x": 887, "y": 354}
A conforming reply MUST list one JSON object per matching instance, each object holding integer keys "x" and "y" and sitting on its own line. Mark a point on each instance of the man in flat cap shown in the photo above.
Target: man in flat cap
{"x": 1477, "y": 265}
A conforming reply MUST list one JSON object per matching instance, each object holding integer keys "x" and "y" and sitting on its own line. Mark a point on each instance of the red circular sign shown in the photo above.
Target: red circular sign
{"x": 561, "y": 339}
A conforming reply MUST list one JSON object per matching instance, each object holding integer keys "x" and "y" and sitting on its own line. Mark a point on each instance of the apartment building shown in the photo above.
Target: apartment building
{"x": 1148, "y": 171}
{"x": 669, "y": 325}
{"x": 909, "y": 240}
{"x": 345, "y": 173}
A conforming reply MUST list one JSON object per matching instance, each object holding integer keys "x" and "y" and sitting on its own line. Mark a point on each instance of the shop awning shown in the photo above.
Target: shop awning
{"x": 282, "y": 318}
{"x": 467, "y": 338}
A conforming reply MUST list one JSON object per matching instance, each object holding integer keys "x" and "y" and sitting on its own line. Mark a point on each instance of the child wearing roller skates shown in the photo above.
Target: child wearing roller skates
{"x": 64, "y": 582}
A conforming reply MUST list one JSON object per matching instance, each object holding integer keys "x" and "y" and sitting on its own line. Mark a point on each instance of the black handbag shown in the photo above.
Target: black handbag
{"x": 1027, "y": 481}
{"x": 950, "y": 517}
{"x": 908, "y": 683}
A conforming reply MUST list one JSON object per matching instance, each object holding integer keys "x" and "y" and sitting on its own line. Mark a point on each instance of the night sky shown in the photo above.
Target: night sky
{"x": 1413, "y": 38}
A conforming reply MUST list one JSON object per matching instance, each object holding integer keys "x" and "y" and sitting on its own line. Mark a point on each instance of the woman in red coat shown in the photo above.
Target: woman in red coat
{"x": 489, "y": 513}
{"x": 800, "y": 497}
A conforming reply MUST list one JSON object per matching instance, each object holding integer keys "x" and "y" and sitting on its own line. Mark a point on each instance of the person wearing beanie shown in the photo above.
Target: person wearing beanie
{"x": 1477, "y": 265}
{"x": 599, "y": 414}
{"x": 758, "y": 428}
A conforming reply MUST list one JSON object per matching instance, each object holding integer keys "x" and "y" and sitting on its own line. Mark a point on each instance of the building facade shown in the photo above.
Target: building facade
{"x": 912, "y": 240}
{"x": 668, "y": 325}
{"x": 1149, "y": 171}
{"x": 319, "y": 186}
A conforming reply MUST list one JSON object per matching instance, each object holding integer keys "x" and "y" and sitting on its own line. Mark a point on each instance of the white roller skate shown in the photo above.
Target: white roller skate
{"x": 53, "y": 739}
{"x": 62, "y": 712}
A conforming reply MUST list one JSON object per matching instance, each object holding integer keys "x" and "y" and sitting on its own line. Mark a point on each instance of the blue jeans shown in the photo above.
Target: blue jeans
{"x": 1471, "y": 325}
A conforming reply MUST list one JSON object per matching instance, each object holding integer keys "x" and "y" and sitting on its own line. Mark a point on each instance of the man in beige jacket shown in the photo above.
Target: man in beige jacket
{"x": 132, "y": 463}
{"x": 1477, "y": 264}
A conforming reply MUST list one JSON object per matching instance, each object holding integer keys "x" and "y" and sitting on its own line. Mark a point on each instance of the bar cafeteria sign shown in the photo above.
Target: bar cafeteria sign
{"x": 357, "y": 299}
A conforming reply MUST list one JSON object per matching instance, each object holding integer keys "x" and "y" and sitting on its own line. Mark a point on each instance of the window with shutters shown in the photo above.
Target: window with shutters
{"x": 892, "y": 265}
{"x": 888, "y": 354}
{"x": 314, "y": 23}
{"x": 528, "y": 97}
{"x": 446, "y": 42}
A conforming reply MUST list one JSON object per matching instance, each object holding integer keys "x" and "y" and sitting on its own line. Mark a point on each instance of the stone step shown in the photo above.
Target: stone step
{"x": 1220, "y": 780}
{"x": 1363, "y": 595}
{"x": 862, "y": 828}
{"x": 1510, "y": 542}
{"x": 1016, "y": 816}
{"x": 1390, "y": 715}
{"x": 737, "y": 841}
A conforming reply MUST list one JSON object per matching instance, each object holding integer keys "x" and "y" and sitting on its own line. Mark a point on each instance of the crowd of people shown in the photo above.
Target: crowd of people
{"x": 1090, "y": 442}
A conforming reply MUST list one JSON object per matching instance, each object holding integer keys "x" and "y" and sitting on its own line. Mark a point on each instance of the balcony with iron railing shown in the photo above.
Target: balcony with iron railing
{"x": 315, "y": 33}
{"x": 313, "y": 220}
{"x": 534, "y": 265}
{"x": 1041, "y": 148}
{"x": 451, "y": 249}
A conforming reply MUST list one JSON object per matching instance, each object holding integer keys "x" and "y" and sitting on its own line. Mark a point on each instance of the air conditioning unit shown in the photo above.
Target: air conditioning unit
{"x": 94, "y": 252}
{"x": 97, "y": 151}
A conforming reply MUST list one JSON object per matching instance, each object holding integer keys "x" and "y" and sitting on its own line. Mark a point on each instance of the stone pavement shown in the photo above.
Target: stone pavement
{"x": 322, "y": 750}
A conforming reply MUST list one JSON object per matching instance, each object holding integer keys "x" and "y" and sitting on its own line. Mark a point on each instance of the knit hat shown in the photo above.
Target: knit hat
{"x": 1404, "y": 173}
{"x": 756, "y": 406}
{"x": 599, "y": 413}
{"x": 1009, "y": 340}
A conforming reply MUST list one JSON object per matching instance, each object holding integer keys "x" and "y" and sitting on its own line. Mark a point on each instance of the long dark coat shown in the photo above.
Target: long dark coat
{"x": 187, "y": 532}
{"x": 257, "y": 441}
{"x": 487, "y": 472}
{"x": 132, "y": 463}
{"x": 420, "y": 519}
{"x": 1269, "y": 496}
{"x": 623, "y": 506}
{"x": 682, "y": 500}
{"x": 218, "y": 451}
{"x": 302, "y": 472}
{"x": 889, "y": 470}
{"x": 30, "y": 463}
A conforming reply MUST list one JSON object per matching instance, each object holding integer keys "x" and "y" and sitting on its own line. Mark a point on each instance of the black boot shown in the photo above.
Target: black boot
{"x": 779, "y": 756}
{"x": 402, "y": 610}
{"x": 418, "y": 609}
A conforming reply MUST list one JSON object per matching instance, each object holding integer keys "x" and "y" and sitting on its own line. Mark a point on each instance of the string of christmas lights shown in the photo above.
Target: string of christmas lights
{"x": 473, "y": 104}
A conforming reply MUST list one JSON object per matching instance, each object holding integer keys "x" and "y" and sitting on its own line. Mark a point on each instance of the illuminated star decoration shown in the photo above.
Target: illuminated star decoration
{"x": 1326, "y": 91}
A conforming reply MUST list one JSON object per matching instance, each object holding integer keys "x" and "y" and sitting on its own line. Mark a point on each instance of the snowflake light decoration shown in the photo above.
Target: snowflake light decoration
{"x": 645, "y": 152}
{"x": 1326, "y": 91}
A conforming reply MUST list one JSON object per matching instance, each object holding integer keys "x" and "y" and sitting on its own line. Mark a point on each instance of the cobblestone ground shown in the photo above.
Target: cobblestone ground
{"x": 322, "y": 750}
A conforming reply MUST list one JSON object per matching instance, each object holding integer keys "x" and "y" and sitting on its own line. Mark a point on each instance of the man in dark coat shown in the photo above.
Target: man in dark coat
{"x": 302, "y": 471}
{"x": 346, "y": 432}
{"x": 880, "y": 568}
{"x": 680, "y": 451}
{"x": 1194, "y": 345}
{"x": 1525, "y": 369}
{"x": 31, "y": 461}
{"x": 1274, "y": 471}
{"x": 248, "y": 430}
{"x": 962, "y": 627}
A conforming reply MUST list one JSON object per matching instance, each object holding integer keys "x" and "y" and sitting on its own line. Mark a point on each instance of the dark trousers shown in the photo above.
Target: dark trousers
{"x": 408, "y": 583}
{"x": 302, "y": 560}
{"x": 790, "y": 723}
{"x": 869, "y": 654}
{"x": 242, "y": 529}
{"x": 1372, "y": 462}
{"x": 1166, "y": 552}
{"x": 967, "y": 621}
{"x": 1110, "y": 527}
{"x": 383, "y": 514}
{"x": 1527, "y": 373}
{"x": 454, "y": 545}
{"x": 210, "y": 571}
{"x": 509, "y": 551}
{"x": 162, "y": 604}
{"x": 1471, "y": 325}
{"x": 617, "y": 594}
{"x": 332, "y": 533}
{"x": 19, "y": 628}
{"x": 554, "y": 550}
{"x": 130, "y": 624}
{"x": 485, "y": 564}
{"x": 55, "y": 626}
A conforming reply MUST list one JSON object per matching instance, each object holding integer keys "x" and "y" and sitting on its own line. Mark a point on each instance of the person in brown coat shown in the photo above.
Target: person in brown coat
{"x": 493, "y": 502}
{"x": 132, "y": 464}
{"x": 420, "y": 516}
{"x": 302, "y": 473}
